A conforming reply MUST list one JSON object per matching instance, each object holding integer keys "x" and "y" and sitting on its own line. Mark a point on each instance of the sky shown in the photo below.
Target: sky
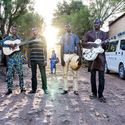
{"x": 47, "y": 7}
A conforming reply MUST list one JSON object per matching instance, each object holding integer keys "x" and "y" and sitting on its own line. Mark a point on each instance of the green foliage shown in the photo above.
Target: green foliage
{"x": 106, "y": 8}
{"x": 80, "y": 21}
{"x": 12, "y": 10}
{"x": 74, "y": 13}
{"x": 68, "y": 8}
{"x": 27, "y": 22}
{"x": 81, "y": 17}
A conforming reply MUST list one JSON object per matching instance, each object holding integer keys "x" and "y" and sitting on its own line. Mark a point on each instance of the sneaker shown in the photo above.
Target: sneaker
{"x": 9, "y": 92}
{"x": 92, "y": 96}
{"x": 64, "y": 92}
{"x": 76, "y": 93}
{"x": 102, "y": 99}
{"x": 46, "y": 91}
{"x": 32, "y": 92}
{"x": 22, "y": 90}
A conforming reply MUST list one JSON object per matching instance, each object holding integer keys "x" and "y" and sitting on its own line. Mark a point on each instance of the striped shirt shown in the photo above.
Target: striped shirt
{"x": 38, "y": 50}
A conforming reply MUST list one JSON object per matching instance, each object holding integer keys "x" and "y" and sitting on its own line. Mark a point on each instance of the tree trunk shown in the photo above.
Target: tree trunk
{"x": 2, "y": 29}
{"x": 9, "y": 25}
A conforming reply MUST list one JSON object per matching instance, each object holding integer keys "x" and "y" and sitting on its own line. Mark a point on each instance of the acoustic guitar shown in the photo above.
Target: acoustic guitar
{"x": 8, "y": 51}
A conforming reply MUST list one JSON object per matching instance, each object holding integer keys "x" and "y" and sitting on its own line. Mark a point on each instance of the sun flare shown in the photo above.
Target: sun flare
{"x": 50, "y": 34}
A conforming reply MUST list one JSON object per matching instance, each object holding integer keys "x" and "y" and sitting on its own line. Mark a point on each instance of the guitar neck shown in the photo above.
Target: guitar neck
{"x": 28, "y": 42}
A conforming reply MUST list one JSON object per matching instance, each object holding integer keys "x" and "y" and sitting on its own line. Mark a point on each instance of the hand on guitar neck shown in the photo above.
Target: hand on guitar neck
{"x": 92, "y": 44}
{"x": 95, "y": 44}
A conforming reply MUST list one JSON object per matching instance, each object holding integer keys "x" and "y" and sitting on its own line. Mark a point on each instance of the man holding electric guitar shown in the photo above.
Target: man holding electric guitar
{"x": 14, "y": 60}
{"x": 97, "y": 64}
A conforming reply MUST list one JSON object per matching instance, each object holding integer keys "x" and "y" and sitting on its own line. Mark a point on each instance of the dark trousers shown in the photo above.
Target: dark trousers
{"x": 34, "y": 75}
{"x": 101, "y": 83}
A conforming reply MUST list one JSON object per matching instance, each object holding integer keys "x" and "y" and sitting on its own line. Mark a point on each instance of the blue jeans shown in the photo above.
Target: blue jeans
{"x": 53, "y": 65}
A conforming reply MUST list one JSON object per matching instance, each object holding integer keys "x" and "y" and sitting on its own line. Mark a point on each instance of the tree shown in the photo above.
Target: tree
{"x": 106, "y": 8}
{"x": 68, "y": 8}
{"x": 10, "y": 10}
{"x": 75, "y": 13}
{"x": 27, "y": 21}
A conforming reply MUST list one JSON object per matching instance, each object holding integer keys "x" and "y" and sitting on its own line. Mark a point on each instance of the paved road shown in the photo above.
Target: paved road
{"x": 57, "y": 109}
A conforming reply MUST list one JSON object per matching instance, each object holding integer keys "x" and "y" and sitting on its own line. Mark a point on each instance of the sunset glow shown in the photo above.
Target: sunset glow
{"x": 50, "y": 34}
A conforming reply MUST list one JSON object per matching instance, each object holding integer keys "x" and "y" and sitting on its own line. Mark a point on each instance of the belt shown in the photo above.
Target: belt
{"x": 69, "y": 52}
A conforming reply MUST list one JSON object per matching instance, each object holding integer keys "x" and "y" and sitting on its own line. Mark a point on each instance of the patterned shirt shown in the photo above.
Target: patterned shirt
{"x": 38, "y": 50}
{"x": 16, "y": 54}
{"x": 10, "y": 37}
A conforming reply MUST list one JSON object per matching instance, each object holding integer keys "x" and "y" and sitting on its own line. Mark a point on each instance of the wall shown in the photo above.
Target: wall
{"x": 118, "y": 26}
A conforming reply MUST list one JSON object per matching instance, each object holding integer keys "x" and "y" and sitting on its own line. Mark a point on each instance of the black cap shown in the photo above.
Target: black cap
{"x": 97, "y": 21}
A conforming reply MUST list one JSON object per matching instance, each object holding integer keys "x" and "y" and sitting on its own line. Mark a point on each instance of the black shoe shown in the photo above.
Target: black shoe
{"x": 76, "y": 93}
{"x": 64, "y": 92}
{"x": 5, "y": 80}
{"x": 102, "y": 99}
{"x": 93, "y": 96}
{"x": 23, "y": 90}
{"x": 46, "y": 91}
{"x": 9, "y": 92}
{"x": 32, "y": 92}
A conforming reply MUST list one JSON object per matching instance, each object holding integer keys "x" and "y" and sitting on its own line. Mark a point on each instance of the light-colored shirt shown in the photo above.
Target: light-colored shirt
{"x": 69, "y": 41}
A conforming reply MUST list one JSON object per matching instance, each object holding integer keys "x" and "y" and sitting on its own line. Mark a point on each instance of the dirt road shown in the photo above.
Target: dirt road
{"x": 57, "y": 109}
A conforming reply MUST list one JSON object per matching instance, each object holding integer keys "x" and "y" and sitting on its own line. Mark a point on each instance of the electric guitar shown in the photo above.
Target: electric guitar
{"x": 8, "y": 51}
{"x": 91, "y": 54}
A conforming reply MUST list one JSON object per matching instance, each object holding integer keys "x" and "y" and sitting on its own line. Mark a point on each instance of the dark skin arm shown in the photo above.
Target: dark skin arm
{"x": 28, "y": 57}
{"x": 45, "y": 51}
{"x": 45, "y": 56}
{"x": 62, "y": 56}
{"x": 79, "y": 52}
{"x": 106, "y": 43}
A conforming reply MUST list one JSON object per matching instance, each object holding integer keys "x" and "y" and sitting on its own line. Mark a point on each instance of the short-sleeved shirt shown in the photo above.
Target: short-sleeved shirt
{"x": 69, "y": 41}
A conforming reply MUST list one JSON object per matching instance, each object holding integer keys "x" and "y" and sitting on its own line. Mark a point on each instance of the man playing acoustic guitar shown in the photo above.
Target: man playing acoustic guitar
{"x": 14, "y": 60}
{"x": 99, "y": 63}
